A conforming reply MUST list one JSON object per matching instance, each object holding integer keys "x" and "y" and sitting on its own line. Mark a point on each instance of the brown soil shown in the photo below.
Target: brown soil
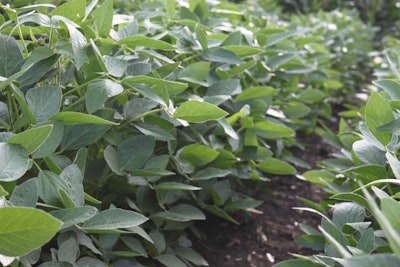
{"x": 265, "y": 239}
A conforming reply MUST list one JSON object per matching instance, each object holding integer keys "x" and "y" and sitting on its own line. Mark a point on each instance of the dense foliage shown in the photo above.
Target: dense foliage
{"x": 123, "y": 123}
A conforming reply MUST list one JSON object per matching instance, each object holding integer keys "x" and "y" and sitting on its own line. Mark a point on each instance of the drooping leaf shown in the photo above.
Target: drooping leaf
{"x": 196, "y": 112}
{"x": 26, "y": 229}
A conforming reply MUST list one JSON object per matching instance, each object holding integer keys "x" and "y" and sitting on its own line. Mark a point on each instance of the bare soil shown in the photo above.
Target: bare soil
{"x": 262, "y": 240}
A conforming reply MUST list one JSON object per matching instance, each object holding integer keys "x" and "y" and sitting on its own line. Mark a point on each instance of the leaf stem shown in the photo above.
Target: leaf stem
{"x": 141, "y": 116}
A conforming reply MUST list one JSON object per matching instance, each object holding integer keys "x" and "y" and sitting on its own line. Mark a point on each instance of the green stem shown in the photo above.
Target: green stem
{"x": 140, "y": 116}
{"x": 21, "y": 36}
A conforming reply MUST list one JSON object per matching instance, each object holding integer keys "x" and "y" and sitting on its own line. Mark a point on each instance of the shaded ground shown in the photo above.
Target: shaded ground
{"x": 265, "y": 239}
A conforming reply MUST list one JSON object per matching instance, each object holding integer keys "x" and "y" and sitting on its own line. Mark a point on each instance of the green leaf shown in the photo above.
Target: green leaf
{"x": 170, "y": 260}
{"x": 73, "y": 181}
{"x": 271, "y": 130}
{"x": 176, "y": 186}
{"x": 198, "y": 155}
{"x": 134, "y": 152}
{"x": 276, "y": 166}
{"x": 31, "y": 139}
{"x": 209, "y": 173}
{"x": 110, "y": 155}
{"x": 77, "y": 136}
{"x": 191, "y": 255}
{"x": 10, "y": 55}
{"x": 157, "y": 132}
{"x": 98, "y": 91}
{"x": 134, "y": 245}
{"x": 195, "y": 72}
{"x": 73, "y": 10}
{"x": 24, "y": 106}
{"x": 103, "y": 16}
{"x": 311, "y": 96}
{"x": 347, "y": 212}
{"x": 243, "y": 50}
{"x": 72, "y": 118}
{"x": 221, "y": 192}
{"x": 218, "y": 54}
{"x": 320, "y": 177}
{"x": 296, "y": 263}
{"x": 26, "y": 229}
{"x": 391, "y": 87}
{"x": 138, "y": 68}
{"x": 116, "y": 66}
{"x": 44, "y": 101}
{"x": 49, "y": 187}
{"x": 25, "y": 194}
{"x": 196, "y": 112}
{"x": 391, "y": 209}
{"x": 14, "y": 162}
{"x": 73, "y": 216}
{"x": 394, "y": 164}
{"x": 180, "y": 213}
{"x": 276, "y": 38}
{"x": 368, "y": 153}
{"x": 256, "y": 92}
{"x": 114, "y": 219}
{"x": 391, "y": 127}
{"x": 78, "y": 41}
{"x": 296, "y": 110}
{"x": 201, "y": 36}
{"x": 139, "y": 40}
{"x": 375, "y": 260}
{"x": 377, "y": 113}
{"x": 171, "y": 86}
